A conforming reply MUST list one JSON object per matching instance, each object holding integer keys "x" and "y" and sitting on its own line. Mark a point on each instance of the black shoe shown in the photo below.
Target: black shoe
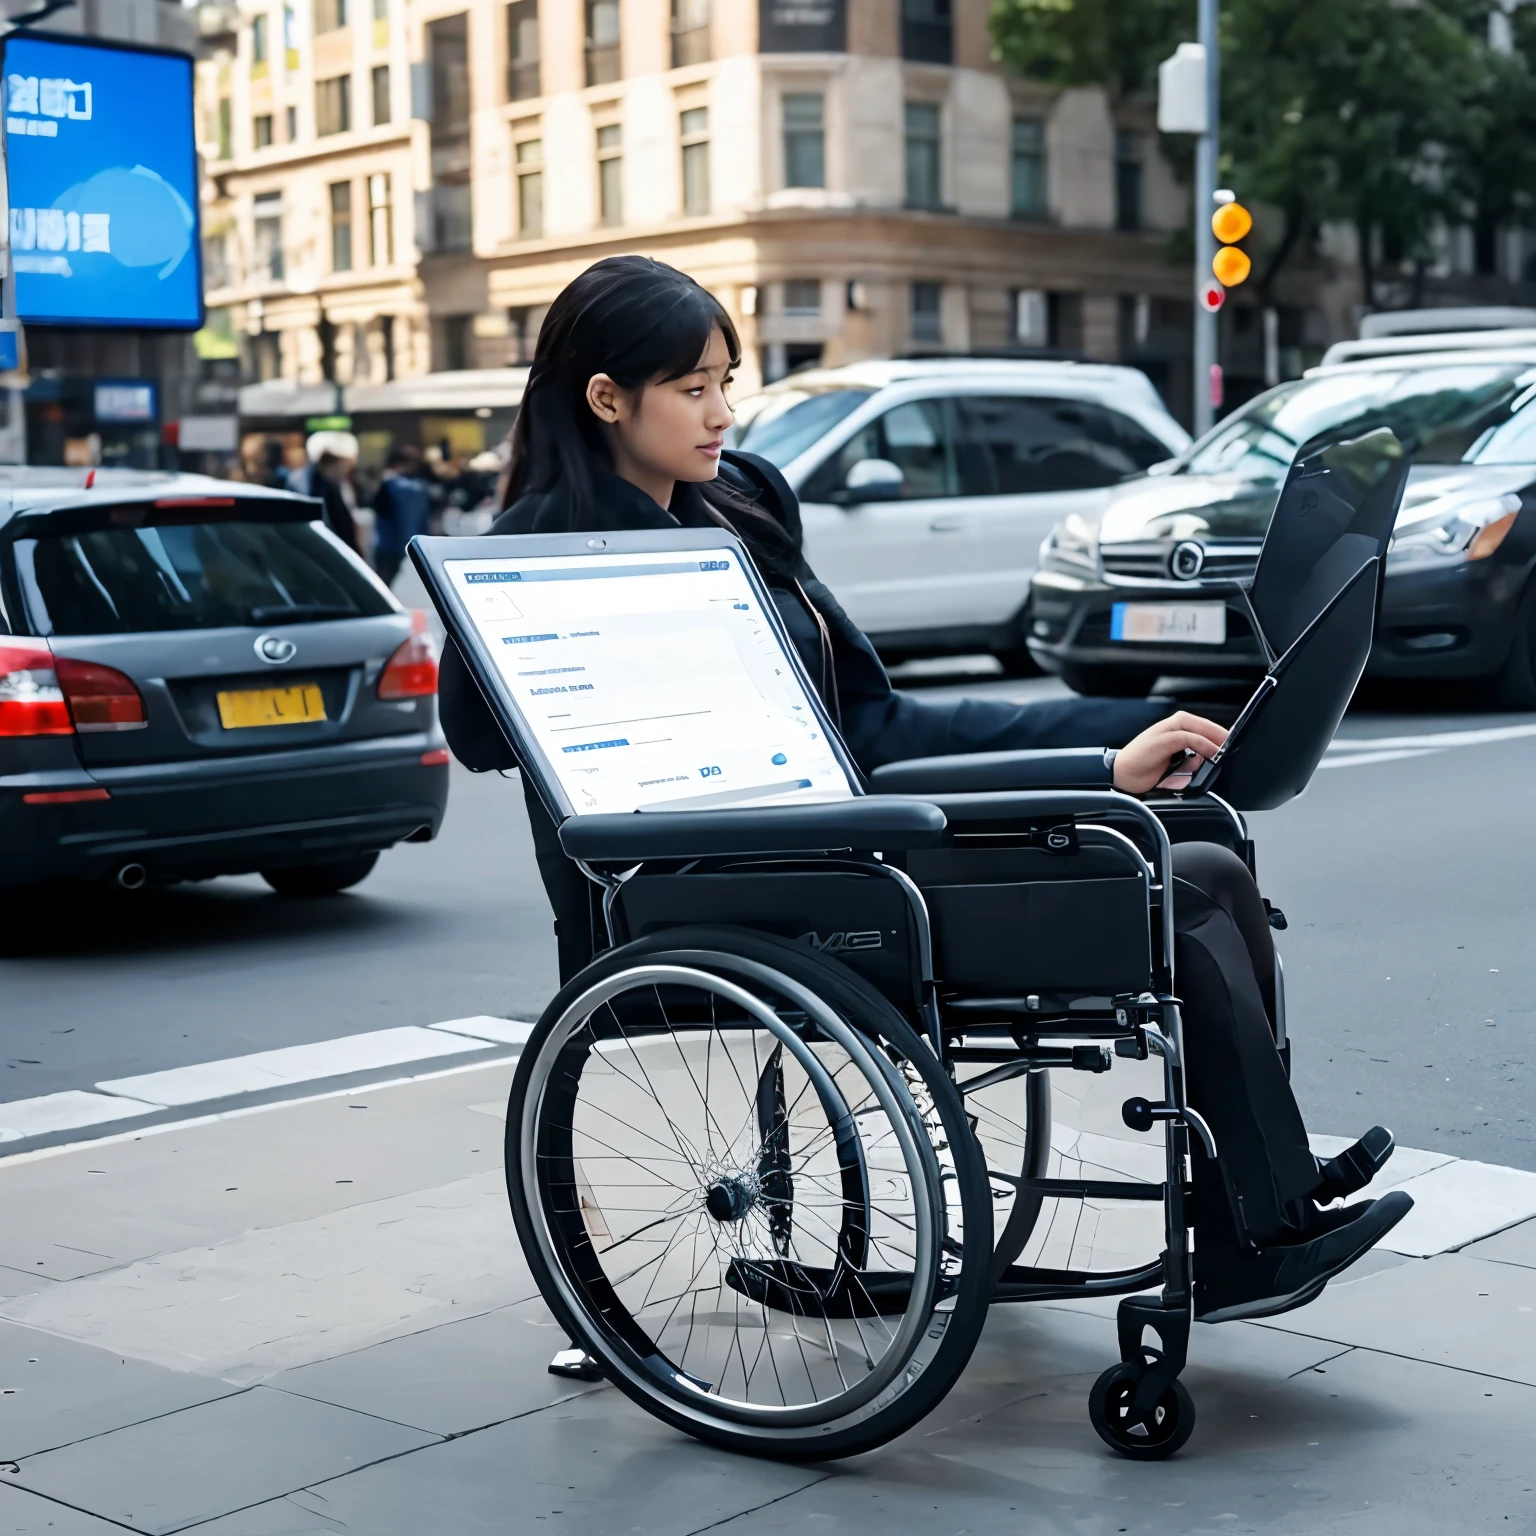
{"x": 1230, "y": 1286}
{"x": 1355, "y": 1166}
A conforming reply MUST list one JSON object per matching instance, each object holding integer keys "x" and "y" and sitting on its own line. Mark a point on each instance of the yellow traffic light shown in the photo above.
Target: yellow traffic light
{"x": 1230, "y": 223}
{"x": 1231, "y": 266}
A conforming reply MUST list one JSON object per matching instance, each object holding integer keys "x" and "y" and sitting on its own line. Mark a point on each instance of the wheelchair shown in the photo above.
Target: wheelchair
{"x": 773, "y": 1154}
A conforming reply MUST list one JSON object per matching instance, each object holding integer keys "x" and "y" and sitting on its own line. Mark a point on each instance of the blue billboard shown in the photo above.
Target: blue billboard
{"x": 103, "y": 184}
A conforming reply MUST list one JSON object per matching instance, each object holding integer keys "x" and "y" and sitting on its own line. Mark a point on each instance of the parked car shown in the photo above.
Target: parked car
{"x": 196, "y": 679}
{"x": 927, "y": 486}
{"x": 1153, "y": 584}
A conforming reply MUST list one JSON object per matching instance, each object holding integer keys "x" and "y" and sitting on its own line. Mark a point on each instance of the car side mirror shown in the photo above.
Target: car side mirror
{"x": 871, "y": 480}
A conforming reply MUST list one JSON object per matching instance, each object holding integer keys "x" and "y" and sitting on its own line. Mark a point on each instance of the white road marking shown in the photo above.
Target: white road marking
{"x": 1359, "y": 751}
{"x": 1360, "y": 760}
{"x": 486, "y": 1027}
{"x": 25, "y": 1118}
{"x": 293, "y": 1064}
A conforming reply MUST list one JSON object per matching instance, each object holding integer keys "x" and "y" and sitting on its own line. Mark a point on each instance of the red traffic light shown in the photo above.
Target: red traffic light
{"x": 1212, "y": 297}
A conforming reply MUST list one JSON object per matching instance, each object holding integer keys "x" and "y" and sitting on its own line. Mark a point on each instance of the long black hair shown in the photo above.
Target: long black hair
{"x": 640, "y": 322}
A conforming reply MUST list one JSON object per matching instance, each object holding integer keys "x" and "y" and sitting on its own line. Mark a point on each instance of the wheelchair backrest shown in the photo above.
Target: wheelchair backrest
{"x": 1335, "y": 512}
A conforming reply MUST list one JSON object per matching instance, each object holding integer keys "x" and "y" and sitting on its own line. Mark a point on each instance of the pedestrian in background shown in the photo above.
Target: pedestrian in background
{"x": 327, "y": 476}
{"x": 401, "y": 510}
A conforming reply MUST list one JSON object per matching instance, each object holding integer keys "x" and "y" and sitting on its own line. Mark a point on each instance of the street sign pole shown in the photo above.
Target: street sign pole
{"x": 1207, "y": 381}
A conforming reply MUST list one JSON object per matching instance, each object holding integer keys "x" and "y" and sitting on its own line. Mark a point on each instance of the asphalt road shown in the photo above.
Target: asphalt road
{"x": 1406, "y": 872}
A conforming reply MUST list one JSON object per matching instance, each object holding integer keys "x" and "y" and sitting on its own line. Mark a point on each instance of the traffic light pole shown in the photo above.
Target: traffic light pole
{"x": 1207, "y": 380}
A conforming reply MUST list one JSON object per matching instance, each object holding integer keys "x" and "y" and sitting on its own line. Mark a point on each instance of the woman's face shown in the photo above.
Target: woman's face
{"x": 673, "y": 430}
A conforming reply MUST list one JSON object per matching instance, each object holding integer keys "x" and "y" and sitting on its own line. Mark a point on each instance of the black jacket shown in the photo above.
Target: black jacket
{"x": 879, "y": 723}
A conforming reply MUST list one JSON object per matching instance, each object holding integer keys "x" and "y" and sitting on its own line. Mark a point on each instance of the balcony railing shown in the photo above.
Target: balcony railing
{"x": 602, "y": 64}
{"x": 523, "y": 81}
{"x": 690, "y": 47}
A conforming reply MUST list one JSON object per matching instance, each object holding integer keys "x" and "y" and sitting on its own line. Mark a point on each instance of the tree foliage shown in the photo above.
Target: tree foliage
{"x": 1396, "y": 117}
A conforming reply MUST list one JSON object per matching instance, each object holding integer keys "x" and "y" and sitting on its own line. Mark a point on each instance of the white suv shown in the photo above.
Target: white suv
{"x": 927, "y": 486}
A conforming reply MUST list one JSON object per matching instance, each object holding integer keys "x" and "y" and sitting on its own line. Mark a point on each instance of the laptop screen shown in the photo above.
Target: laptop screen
{"x": 651, "y": 681}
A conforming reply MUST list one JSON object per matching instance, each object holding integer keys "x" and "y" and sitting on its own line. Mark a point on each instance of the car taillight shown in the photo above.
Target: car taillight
{"x": 411, "y": 673}
{"x": 100, "y": 698}
{"x": 31, "y": 700}
{"x": 46, "y": 695}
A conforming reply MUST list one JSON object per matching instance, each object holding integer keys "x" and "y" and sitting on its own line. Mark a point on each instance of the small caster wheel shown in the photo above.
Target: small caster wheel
{"x": 1120, "y": 1427}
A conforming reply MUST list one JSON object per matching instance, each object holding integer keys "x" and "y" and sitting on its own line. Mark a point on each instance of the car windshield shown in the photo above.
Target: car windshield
{"x": 1463, "y": 413}
{"x": 784, "y": 424}
{"x": 121, "y": 581}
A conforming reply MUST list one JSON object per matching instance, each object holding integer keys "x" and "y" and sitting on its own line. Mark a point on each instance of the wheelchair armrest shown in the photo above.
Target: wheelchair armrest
{"x": 1080, "y": 767}
{"x": 872, "y": 821}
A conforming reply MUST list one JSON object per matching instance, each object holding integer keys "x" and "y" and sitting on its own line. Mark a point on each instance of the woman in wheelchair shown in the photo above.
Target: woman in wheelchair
{"x": 622, "y": 428}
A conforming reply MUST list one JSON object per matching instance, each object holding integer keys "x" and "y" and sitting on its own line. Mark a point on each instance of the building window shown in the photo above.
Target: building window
{"x": 523, "y": 50}
{"x": 922, "y": 135}
{"x": 226, "y": 128}
{"x": 259, "y": 45}
{"x": 530, "y": 189}
{"x": 928, "y": 31}
{"x": 215, "y": 261}
{"x": 1031, "y": 317}
{"x": 333, "y": 105}
{"x": 925, "y": 312}
{"x": 290, "y": 39}
{"x": 1128, "y": 181}
{"x": 448, "y": 49}
{"x": 341, "y": 226}
{"x": 380, "y": 94}
{"x": 330, "y": 15}
{"x": 602, "y": 41}
{"x": 261, "y": 130}
{"x": 456, "y": 332}
{"x": 267, "y": 245}
{"x": 381, "y": 221}
{"x": 291, "y": 123}
{"x": 802, "y": 297}
{"x": 695, "y": 133}
{"x": 805, "y": 140}
{"x": 524, "y": 323}
{"x": 610, "y": 175}
{"x": 1030, "y": 191}
{"x": 690, "y": 32}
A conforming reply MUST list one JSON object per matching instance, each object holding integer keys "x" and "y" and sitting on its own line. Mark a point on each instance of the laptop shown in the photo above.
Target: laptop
{"x": 636, "y": 672}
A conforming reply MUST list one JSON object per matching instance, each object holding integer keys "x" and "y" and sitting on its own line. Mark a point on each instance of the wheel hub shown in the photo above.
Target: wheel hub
{"x": 731, "y": 1196}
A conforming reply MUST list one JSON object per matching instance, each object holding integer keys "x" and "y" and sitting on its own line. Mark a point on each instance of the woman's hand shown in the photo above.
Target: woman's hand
{"x": 1156, "y": 759}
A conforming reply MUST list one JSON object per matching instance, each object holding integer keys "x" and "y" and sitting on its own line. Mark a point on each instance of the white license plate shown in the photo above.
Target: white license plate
{"x": 1170, "y": 623}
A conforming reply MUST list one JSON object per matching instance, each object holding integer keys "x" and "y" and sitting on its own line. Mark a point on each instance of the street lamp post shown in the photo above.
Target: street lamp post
{"x": 1207, "y": 380}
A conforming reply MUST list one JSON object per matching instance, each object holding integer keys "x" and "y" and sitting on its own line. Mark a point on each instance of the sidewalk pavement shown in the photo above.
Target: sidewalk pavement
{"x": 315, "y": 1318}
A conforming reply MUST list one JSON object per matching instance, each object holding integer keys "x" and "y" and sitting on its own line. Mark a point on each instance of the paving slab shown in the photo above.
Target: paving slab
{"x": 451, "y": 1379}
{"x": 1458, "y": 1203}
{"x": 54, "y": 1391}
{"x": 1451, "y": 1310}
{"x": 25, "y": 1514}
{"x": 69, "y": 1213}
{"x": 1368, "y": 1445}
{"x": 597, "y": 1466}
{"x": 286, "y": 1296}
{"x": 206, "y": 1461}
{"x": 1515, "y": 1245}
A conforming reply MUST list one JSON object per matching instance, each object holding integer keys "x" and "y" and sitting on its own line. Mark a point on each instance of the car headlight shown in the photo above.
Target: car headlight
{"x": 1462, "y": 528}
{"x": 1072, "y": 544}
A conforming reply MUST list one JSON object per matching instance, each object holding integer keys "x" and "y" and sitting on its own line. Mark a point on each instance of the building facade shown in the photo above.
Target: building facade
{"x": 397, "y": 187}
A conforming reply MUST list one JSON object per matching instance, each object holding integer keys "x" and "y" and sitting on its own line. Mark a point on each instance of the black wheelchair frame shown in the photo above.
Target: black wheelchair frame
{"x": 965, "y": 914}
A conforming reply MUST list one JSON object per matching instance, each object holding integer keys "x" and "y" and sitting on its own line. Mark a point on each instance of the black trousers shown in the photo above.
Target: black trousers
{"x": 1224, "y": 962}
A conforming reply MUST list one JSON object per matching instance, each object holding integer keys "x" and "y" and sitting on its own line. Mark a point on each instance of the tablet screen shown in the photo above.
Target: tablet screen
{"x": 651, "y": 681}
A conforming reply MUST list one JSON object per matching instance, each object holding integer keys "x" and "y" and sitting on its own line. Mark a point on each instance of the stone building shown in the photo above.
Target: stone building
{"x": 397, "y": 187}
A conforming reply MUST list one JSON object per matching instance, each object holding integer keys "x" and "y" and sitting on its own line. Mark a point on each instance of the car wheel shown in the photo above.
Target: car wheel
{"x": 321, "y": 879}
{"x": 1107, "y": 682}
{"x": 1515, "y": 682}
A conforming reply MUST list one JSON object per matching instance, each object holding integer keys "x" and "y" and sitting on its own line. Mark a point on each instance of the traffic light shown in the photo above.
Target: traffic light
{"x": 1230, "y": 223}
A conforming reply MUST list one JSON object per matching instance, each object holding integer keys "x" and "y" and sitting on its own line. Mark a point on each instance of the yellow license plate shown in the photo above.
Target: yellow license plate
{"x": 271, "y": 706}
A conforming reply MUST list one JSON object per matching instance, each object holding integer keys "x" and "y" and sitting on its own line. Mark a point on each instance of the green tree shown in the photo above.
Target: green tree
{"x": 1379, "y": 114}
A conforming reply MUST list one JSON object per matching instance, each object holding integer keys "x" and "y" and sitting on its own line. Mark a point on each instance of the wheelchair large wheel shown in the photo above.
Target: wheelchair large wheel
{"x": 748, "y": 1190}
